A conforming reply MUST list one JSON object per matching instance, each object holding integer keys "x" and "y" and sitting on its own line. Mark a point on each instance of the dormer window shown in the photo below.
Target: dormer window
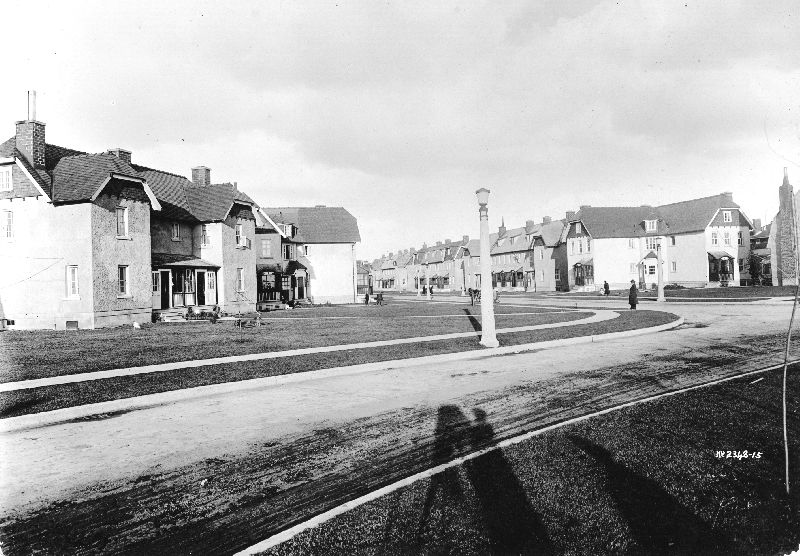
{"x": 651, "y": 225}
{"x": 5, "y": 179}
{"x": 578, "y": 228}
{"x": 726, "y": 216}
{"x": 176, "y": 231}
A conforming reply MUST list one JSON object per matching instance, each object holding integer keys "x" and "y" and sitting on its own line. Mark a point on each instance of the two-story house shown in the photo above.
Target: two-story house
{"x": 324, "y": 245}
{"x": 75, "y": 237}
{"x": 701, "y": 242}
{"x": 283, "y": 271}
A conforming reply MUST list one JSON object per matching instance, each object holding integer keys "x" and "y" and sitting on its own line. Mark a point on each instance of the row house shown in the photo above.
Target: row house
{"x": 93, "y": 240}
{"x": 702, "y": 242}
{"x": 439, "y": 266}
{"x": 308, "y": 253}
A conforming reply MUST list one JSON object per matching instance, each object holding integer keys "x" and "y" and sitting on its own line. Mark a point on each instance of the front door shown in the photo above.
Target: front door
{"x": 201, "y": 287}
{"x": 165, "y": 280}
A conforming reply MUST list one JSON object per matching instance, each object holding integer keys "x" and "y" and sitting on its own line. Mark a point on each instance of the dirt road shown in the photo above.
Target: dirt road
{"x": 224, "y": 472}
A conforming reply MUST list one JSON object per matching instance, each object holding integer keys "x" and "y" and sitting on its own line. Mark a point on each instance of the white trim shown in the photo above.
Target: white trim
{"x": 7, "y": 159}
{"x": 272, "y": 222}
{"x": 33, "y": 181}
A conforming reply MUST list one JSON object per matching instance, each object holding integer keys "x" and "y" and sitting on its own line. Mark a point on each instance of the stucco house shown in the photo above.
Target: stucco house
{"x": 94, "y": 240}
{"x": 703, "y": 242}
{"x": 326, "y": 238}
{"x": 283, "y": 271}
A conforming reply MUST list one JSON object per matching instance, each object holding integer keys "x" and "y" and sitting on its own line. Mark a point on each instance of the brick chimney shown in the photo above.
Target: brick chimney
{"x": 570, "y": 215}
{"x": 546, "y": 220}
{"x": 502, "y": 229}
{"x": 757, "y": 224}
{"x": 121, "y": 153}
{"x": 465, "y": 239}
{"x": 201, "y": 176}
{"x": 727, "y": 196}
{"x": 30, "y": 135}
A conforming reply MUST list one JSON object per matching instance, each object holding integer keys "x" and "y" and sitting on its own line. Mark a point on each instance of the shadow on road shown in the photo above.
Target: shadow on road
{"x": 658, "y": 522}
{"x": 513, "y": 527}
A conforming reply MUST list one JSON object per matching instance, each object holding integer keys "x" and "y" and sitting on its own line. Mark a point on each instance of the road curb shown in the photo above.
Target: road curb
{"x": 86, "y": 412}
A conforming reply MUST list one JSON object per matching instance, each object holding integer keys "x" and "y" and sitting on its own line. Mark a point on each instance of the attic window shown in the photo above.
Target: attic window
{"x": 726, "y": 216}
{"x": 5, "y": 178}
{"x": 577, "y": 227}
{"x": 650, "y": 225}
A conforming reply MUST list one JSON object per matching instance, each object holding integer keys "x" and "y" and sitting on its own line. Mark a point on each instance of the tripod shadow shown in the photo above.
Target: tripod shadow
{"x": 513, "y": 527}
{"x": 659, "y": 523}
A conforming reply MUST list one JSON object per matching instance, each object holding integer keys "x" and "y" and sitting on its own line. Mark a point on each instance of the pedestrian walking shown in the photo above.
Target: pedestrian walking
{"x": 606, "y": 287}
{"x": 431, "y": 292}
{"x": 379, "y": 298}
{"x": 366, "y": 298}
{"x": 633, "y": 295}
{"x": 471, "y": 297}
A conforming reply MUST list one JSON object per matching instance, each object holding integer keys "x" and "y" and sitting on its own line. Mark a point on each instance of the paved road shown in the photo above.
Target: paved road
{"x": 74, "y": 461}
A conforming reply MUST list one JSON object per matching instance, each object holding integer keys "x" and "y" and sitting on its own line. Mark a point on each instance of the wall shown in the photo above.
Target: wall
{"x": 333, "y": 272}
{"x": 234, "y": 257}
{"x": 33, "y": 289}
{"x": 108, "y": 252}
{"x": 161, "y": 237}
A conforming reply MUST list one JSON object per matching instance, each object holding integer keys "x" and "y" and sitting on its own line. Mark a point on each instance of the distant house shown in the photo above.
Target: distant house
{"x": 93, "y": 240}
{"x": 326, "y": 237}
{"x": 761, "y": 253}
{"x": 703, "y": 242}
{"x": 282, "y": 270}
{"x": 363, "y": 282}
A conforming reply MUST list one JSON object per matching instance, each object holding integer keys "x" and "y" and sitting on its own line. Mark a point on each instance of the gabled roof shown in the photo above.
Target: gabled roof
{"x": 170, "y": 189}
{"x": 520, "y": 243}
{"x": 80, "y": 177}
{"x": 212, "y": 203}
{"x": 676, "y": 218}
{"x": 319, "y": 224}
{"x": 762, "y": 233}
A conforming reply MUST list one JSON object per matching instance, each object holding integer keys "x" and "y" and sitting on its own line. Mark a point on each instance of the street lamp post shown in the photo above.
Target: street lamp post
{"x": 660, "y": 274}
{"x": 428, "y": 280}
{"x": 488, "y": 336}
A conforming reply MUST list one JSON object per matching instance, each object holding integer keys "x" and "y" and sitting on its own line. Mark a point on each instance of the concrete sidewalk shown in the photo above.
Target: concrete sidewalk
{"x": 598, "y": 316}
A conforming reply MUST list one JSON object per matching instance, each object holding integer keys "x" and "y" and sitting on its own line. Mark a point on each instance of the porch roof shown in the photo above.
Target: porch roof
{"x": 169, "y": 260}
{"x": 511, "y": 267}
{"x": 720, "y": 255}
{"x": 587, "y": 261}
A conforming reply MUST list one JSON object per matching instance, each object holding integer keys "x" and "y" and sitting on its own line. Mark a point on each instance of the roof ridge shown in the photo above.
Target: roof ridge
{"x": 142, "y": 168}
{"x": 716, "y": 196}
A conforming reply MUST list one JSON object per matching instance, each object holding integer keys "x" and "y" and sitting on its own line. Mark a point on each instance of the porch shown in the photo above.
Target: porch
{"x": 720, "y": 268}
{"x": 183, "y": 284}
{"x": 278, "y": 286}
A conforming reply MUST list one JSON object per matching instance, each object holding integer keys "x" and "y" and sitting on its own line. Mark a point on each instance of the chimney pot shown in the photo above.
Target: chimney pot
{"x": 121, "y": 153}
{"x": 201, "y": 176}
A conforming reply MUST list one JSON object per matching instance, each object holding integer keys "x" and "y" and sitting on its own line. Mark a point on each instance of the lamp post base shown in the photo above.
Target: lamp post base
{"x": 489, "y": 342}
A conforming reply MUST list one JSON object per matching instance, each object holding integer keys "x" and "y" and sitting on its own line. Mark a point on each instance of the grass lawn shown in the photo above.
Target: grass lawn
{"x": 643, "y": 480}
{"x": 42, "y": 353}
{"x": 67, "y": 395}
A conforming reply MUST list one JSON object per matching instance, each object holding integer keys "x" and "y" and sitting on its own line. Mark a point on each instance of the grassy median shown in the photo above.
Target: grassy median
{"x": 68, "y": 395}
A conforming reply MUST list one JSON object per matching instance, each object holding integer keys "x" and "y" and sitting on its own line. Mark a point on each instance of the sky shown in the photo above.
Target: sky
{"x": 399, "y": 111}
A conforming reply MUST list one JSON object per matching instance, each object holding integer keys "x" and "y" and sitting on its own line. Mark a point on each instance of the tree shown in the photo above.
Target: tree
{"x": 755, "y": 267}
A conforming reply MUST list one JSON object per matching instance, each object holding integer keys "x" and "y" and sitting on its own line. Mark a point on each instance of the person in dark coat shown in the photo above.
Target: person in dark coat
{"x": 366, "y": 298}
{"x": 633, "y": 295}
{"x": 606, "y": 288}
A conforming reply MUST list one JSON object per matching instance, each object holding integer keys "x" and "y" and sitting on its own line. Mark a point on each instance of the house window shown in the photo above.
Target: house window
{"x": 578, "y": 228}
{"x": 651, "y": 243}
{"x": 650, "y": 225}
{"x": 633, "y": 268}
{"x": 572, "y": 247}
{"x": 72, "y": 281}
{"x": 558, "y": 274}
{"x": 305, "y": 250}
{"x": 651, "y": 269}
{"x": 727, "y": 238}
{"x": 176, "y": 231}
{"x": 580, "y": 246}
{"x": 739, "y": 239}
{"x": 122, "y": 222}
{"x": 541, "y": 254}
{"x": 672, "y": 240}
{"x": 239, "y": 279}
{"x": 204, "y": 239}
{"x": 741, "y": 265}
{"x": 156, "y": 282}
{"x": 211, "y": 280}
{"x": 5, "y": 179}
{"x": 674, "y": 266}
{"x": 726, "y": 216}
{"x": 239, "y": 235}
{"x": 7, "y": 224}
{"x": 122, "y": 274}
{"x": 287, "y": 252}
{"x": 714, "y": 240}
{"x": 631, "y": 243}
{"x": 265, "y": 248}
{"x": 588, "y": 245}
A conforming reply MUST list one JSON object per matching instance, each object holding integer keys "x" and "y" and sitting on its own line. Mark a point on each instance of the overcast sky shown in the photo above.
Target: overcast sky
{"x": 400, "y": 111}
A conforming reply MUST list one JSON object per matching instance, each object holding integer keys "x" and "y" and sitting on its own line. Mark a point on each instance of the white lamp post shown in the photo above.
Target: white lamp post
{"x": 660, "y": 274}
{"x": 488, "y": 336}
{"x": 419, "y": 284}
{"x": 428, "y": 280}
